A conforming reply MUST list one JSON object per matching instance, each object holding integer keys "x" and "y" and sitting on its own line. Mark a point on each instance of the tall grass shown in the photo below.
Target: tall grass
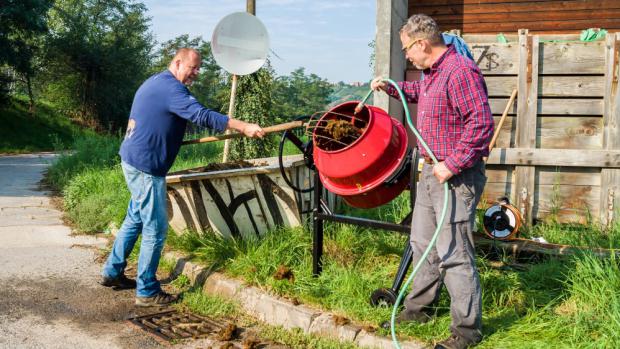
{"x": 91, "y": 179}
{"x": 592, "y": 235}
{"x": 556, "y": 303}
{"x": 88, "y": 153}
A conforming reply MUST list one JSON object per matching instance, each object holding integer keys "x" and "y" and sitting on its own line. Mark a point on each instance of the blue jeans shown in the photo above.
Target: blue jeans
{"x": 146, "y": 213}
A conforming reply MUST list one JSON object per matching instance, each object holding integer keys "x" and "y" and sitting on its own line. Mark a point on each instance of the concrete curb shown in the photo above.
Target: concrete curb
{"x": 277, "y": 311}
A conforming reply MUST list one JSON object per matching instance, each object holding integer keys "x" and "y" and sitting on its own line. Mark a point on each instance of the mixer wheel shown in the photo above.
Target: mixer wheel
{"x": 383, "y": 297}
{"x": 305, "y": 148}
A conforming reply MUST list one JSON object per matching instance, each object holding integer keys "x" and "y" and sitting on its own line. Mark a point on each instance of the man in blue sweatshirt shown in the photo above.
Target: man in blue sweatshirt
{"x": 159, "y": 113}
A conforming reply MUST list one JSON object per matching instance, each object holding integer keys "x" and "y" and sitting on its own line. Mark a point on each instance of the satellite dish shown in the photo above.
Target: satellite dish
{"x": 240, "y": 43}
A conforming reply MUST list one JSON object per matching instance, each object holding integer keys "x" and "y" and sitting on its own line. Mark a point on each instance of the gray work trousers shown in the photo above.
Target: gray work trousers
{"x": 452, "y": 261}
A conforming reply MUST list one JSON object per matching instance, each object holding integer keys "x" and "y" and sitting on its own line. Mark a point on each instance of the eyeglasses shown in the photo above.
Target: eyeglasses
{"x": 409, "y": 45}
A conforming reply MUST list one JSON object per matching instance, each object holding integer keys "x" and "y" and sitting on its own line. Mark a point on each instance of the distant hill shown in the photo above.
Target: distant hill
{"x": 345, "y": 92}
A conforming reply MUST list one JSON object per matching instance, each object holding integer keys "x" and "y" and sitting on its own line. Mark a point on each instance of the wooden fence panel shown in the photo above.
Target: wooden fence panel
{"x": 558, "y": 152}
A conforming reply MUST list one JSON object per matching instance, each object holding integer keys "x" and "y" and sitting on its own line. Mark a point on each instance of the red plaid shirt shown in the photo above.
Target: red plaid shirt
{"x": 454, "y": 116}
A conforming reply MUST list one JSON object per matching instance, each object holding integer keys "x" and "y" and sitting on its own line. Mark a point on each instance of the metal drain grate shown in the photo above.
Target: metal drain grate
{"x": 171, "y": 325}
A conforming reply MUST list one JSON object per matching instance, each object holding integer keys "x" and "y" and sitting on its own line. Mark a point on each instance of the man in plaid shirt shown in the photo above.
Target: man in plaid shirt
{"x": 455, "y": 120}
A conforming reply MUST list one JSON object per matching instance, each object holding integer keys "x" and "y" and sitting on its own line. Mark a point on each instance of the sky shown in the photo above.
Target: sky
{"x": 328, "y": 38}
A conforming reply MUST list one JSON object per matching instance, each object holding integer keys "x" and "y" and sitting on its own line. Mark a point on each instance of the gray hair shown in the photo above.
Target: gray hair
{"x": 421, "y": 26}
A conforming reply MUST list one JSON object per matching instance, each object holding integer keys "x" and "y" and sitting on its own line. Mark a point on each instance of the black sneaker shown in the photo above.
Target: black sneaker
{"x": 162, "y": 298}
{"x": 455, "y": 342}
{"x": 119, "y": 283}
{"x": 408, "y": 316}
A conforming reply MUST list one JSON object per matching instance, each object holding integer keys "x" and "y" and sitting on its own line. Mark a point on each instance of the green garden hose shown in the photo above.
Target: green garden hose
{"x": 431, "y": 245}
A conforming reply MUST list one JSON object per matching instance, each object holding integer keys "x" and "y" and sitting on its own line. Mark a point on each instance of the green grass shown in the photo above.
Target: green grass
{"x": 578, "y": 235}
{"x": 555, "y": 303}
{"x": 44, "y": 130}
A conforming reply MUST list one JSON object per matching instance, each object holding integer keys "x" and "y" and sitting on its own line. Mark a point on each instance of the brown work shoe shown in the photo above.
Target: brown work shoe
{"x": 162, "y": 298}
{"x": 120, "y": 283}
{"x": 455, "y": 342}
{"x": 409, "y": 316}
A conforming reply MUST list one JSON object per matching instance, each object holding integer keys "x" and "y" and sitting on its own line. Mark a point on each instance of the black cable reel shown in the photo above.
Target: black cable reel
{"x": 502, "y": 220}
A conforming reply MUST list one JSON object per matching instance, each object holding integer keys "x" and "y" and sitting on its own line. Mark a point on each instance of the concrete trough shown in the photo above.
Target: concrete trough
{"x": 239, "y": 202}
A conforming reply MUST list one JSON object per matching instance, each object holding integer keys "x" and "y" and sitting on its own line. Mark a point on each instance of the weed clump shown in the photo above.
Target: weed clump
{"x": 227, "y": 333}
{"x": 283, "y": 272}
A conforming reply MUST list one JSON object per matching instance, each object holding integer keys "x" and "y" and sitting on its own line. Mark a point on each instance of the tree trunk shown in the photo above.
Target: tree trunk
{"x": 31, "y": 106}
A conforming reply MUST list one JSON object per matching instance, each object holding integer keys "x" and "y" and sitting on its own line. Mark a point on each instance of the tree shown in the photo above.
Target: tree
{"x": 300, "y": 94}
{"x": 254, "y": 104}
{"x": 22, "y": 23}
{"x": 98, "y": 53}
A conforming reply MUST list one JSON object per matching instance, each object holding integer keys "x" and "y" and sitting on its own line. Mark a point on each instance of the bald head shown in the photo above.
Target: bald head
{"x": 185, "y": 65}
{"x": 185, "y": 53}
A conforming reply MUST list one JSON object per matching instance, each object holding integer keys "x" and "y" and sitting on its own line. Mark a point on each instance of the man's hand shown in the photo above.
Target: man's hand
{"x": 442, "y": 173}
{"x": 253, "y": 131}
{"x": 248, "y": 130}
{"x": 378, "y": 84}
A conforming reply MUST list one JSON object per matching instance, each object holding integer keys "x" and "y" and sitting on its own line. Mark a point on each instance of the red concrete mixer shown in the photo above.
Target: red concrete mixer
{"x": 361, "y": 157}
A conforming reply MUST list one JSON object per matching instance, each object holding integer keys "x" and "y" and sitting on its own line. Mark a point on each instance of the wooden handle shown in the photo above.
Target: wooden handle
{"x": 275, "y": 128}
{"x": 501, "y": 121}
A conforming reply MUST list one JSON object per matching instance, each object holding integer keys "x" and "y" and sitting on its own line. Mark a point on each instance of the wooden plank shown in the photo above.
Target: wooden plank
{"x": 569, "y": 58}
{"x": 526, "y": 248}
{"x": 528, "y": 91}
{"x": 493, "y": 191}
{"x": 469, "y": 2}
{"x": 506, "y": 137}
{"x": 461, "y": 8}
{"x": 556, "y": 157}
{"x": 557, "y": 133}
{"x": 548, "y": 175}
{"x": 553, "y": 106}
{"x": 572, "y": 57}
{"x": 544, "y": 16}
{"x": 569, "y": 132}
{"x": 568, "y": 203}
{"x": 611, "y": 114}
{"x": 609, "y": 199}
{"x": 550, "y": 86}
{"x": 499, "y": 174}
{"x": 555, "y": 175}
{"x": 477, "y": 38}
{"x": 495, "y": 58}
{"x": 500, "y": 86}
{"x": 535, "y": 26}
{"x": 610, "y": 185}
{"x": 526, "y": 121}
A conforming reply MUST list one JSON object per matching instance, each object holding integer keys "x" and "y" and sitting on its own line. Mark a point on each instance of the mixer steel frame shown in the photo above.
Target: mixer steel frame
{"x": 322, "y": 213}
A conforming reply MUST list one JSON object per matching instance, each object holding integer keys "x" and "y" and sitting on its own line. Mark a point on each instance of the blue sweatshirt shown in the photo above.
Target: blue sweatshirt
{"x": 160, "y": 110}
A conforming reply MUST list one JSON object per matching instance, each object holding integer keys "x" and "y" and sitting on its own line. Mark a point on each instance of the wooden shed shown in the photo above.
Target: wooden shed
{"x": 558, "y": 154}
